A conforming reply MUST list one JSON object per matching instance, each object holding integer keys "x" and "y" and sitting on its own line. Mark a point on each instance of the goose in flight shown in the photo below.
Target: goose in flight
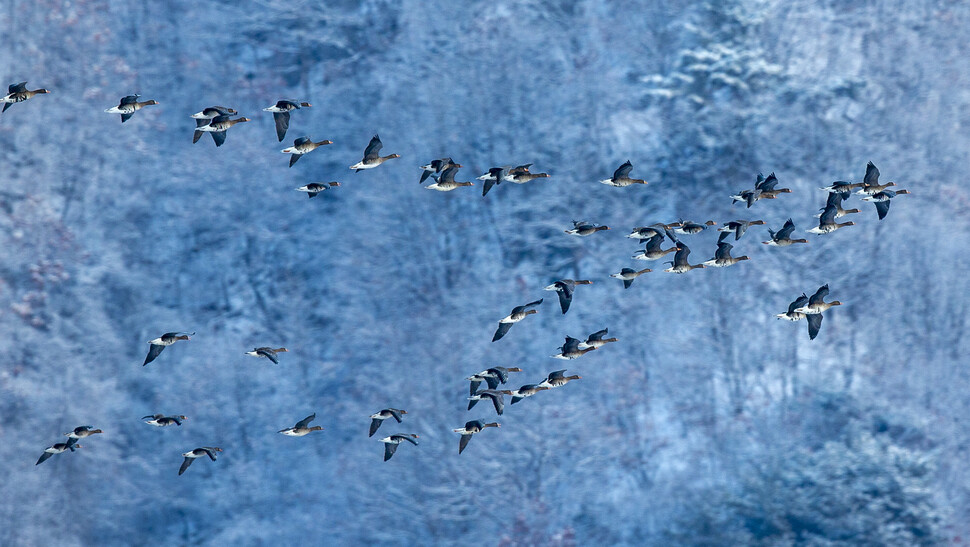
{"x": 301, "y": 146}
{"x": 281, "y": 114}
{"x": 191, "y": 456}
{"x": 267, "y": 352}
{"x": 518, "y": 314}
{"x": 391, "y": 443}
{"x": 372, "y": 156}
{"x": 18, "y": 93}
{"x": 565, "y": 288}
{"x": 302, "y": 427}
{"x": 471, "y": 428}
{"x": 628, "y": 275}
{"x": 315, "y": 188}
{"x": 621, "y": 177}
{"x": 58, "y": 448}
{"x": 157, "y": 345}
{"x": 128, "y": 106}
{"x": 378, "y": 418}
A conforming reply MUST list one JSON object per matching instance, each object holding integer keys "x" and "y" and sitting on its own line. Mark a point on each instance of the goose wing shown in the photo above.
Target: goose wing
{"x": 786, "y": 230}
{"x": 185, "y": 464}
{"x": 375, "y": 424}
{"x": 282, "y": 120}
{"x": 389, "y": 450}
{"x": 373, "y": 149}
{"x": 872, "y": 175}
{"x": 623, "y": 171}
{"x": 305, "y": 421}
{"x": 819, "y": 295}
{"x": 153, "y": 351}
{"x": 814, "y": 324}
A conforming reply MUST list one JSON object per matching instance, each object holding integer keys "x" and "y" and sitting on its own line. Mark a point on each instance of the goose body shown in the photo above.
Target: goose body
{"x": 722, "y": 257}
{"x": 18, "y": 93}
{"x": 691, "y": 228}
{"x": 827, "y": 223}
{"x": 558, "y": 378}
{"x": 378, "y": 418}
{"x": 522, "y": 175}
{"x": 528, "y": 390}
{"x": 582, "y": 228}
{"x": 471, "y": 428}
{"x": 206, "y": 115}
{"x": 435, "y": 167}
{"x": 128, "y": 106}
{"x": 736, "y": 227}
{"x": 627, "y": 275}
{"x": 372, "y": 155}
{"x": 58, "y": 448}
{"x": 493, "y": 377}
{"x": 882, "y": 199}
{"x": 654, "y": 250}
{"x": 621, "y": 177}
{"x": 392, "y": 442}
{"x": 870, "y": 184}
{"x": 200, "y": 452}
{"x": 267, "y": 352}
{"x": 518, "y": 314}
{"x": 564, "y": 288}
{"x": 791, "y": 314}
{"x": 493, "y": 177}
{"x": 218, "y": 127}
{"x": 83, "y": 431}
{"x": 315, "y": 188}
{"x": 161, "y": 420}
{"x": 158, "y": 344}
{"x": 680, "y": 264}
{"x": 494, "y": 395}
{"x": 281, "y": 114}
{"x": 597, "y": 340}
{"x": 301, "y": 146}
{"x": 446, "y": 181}
{"x": 571, "y": 349}
{"x": 816, "y": 304}
{"x": 302, "y": 427}
{"x": 782, "y": 238}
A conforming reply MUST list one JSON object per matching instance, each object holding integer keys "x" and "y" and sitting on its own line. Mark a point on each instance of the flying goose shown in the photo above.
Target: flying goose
{"x": 372, "y": 156}
{"x": 571, "y": 349}
{"x": 521, "y": 174}
{"x": 301, "y": 146}
{"x": 302, "y": 427}
{"x": 518, "y": 314}
{"x": 161, "y": 420}
{"x": 628, "y": 275}
{"x": 621, "y": 177}
{"x": 446, "y": 181}
{"x": 315, "y": 188}
{"x": 163, "y": 341}
{"x": 17, "y": 93}
{"x": 680, "y": 264}
{"x": 881, "y": 201}
{"x": 528, "y": 390}
{"x": 722, "y": 257}
{"x": 557, "y": 378}
{"x": 218, "y": 127}
{"x": 281, "y": 114}
{"x": 870, "y": 184}
{"x": 268, "y": 353}
{"x": 737, "y": 227}
{"x": 565, "y": 288}
{"x": 471, "y": 428}
{"x": 128, "y": 106}
{"x": 493, "y": 177}
{"x": 498, "y": 401}
{"x": 583, "y": 228}
{"x": 815, "y": 303}
{"x": 827, "y": 223}
{"x": 782, "y": 238}
{"x": 792, "y": 314}
{"x": 378, "y": 418}
{"x": 57, "y": 448}
{"x": 691, "y": 228}
{"x": 835, "y": 199}
{"x": 596, "y": 340}
{"x": 391, "y": 443}
{"x": 191, "y": 455}
{"x": 82, "y": 431}
{"x": 654, "y": 251}
{"x": 203, "y": 117}
{"x": 493, "y": 377}
{"x": 435, "y": 167}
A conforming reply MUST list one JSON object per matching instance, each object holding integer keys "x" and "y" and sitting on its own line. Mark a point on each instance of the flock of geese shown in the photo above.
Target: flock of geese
{"x": 217, "y": 120}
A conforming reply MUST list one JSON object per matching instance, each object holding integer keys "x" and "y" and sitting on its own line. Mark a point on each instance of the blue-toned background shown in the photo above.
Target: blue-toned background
{"x": 709, "y": 423}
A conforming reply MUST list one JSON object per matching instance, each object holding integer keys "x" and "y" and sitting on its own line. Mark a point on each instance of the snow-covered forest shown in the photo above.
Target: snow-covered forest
{"x": 710, "y": 422}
